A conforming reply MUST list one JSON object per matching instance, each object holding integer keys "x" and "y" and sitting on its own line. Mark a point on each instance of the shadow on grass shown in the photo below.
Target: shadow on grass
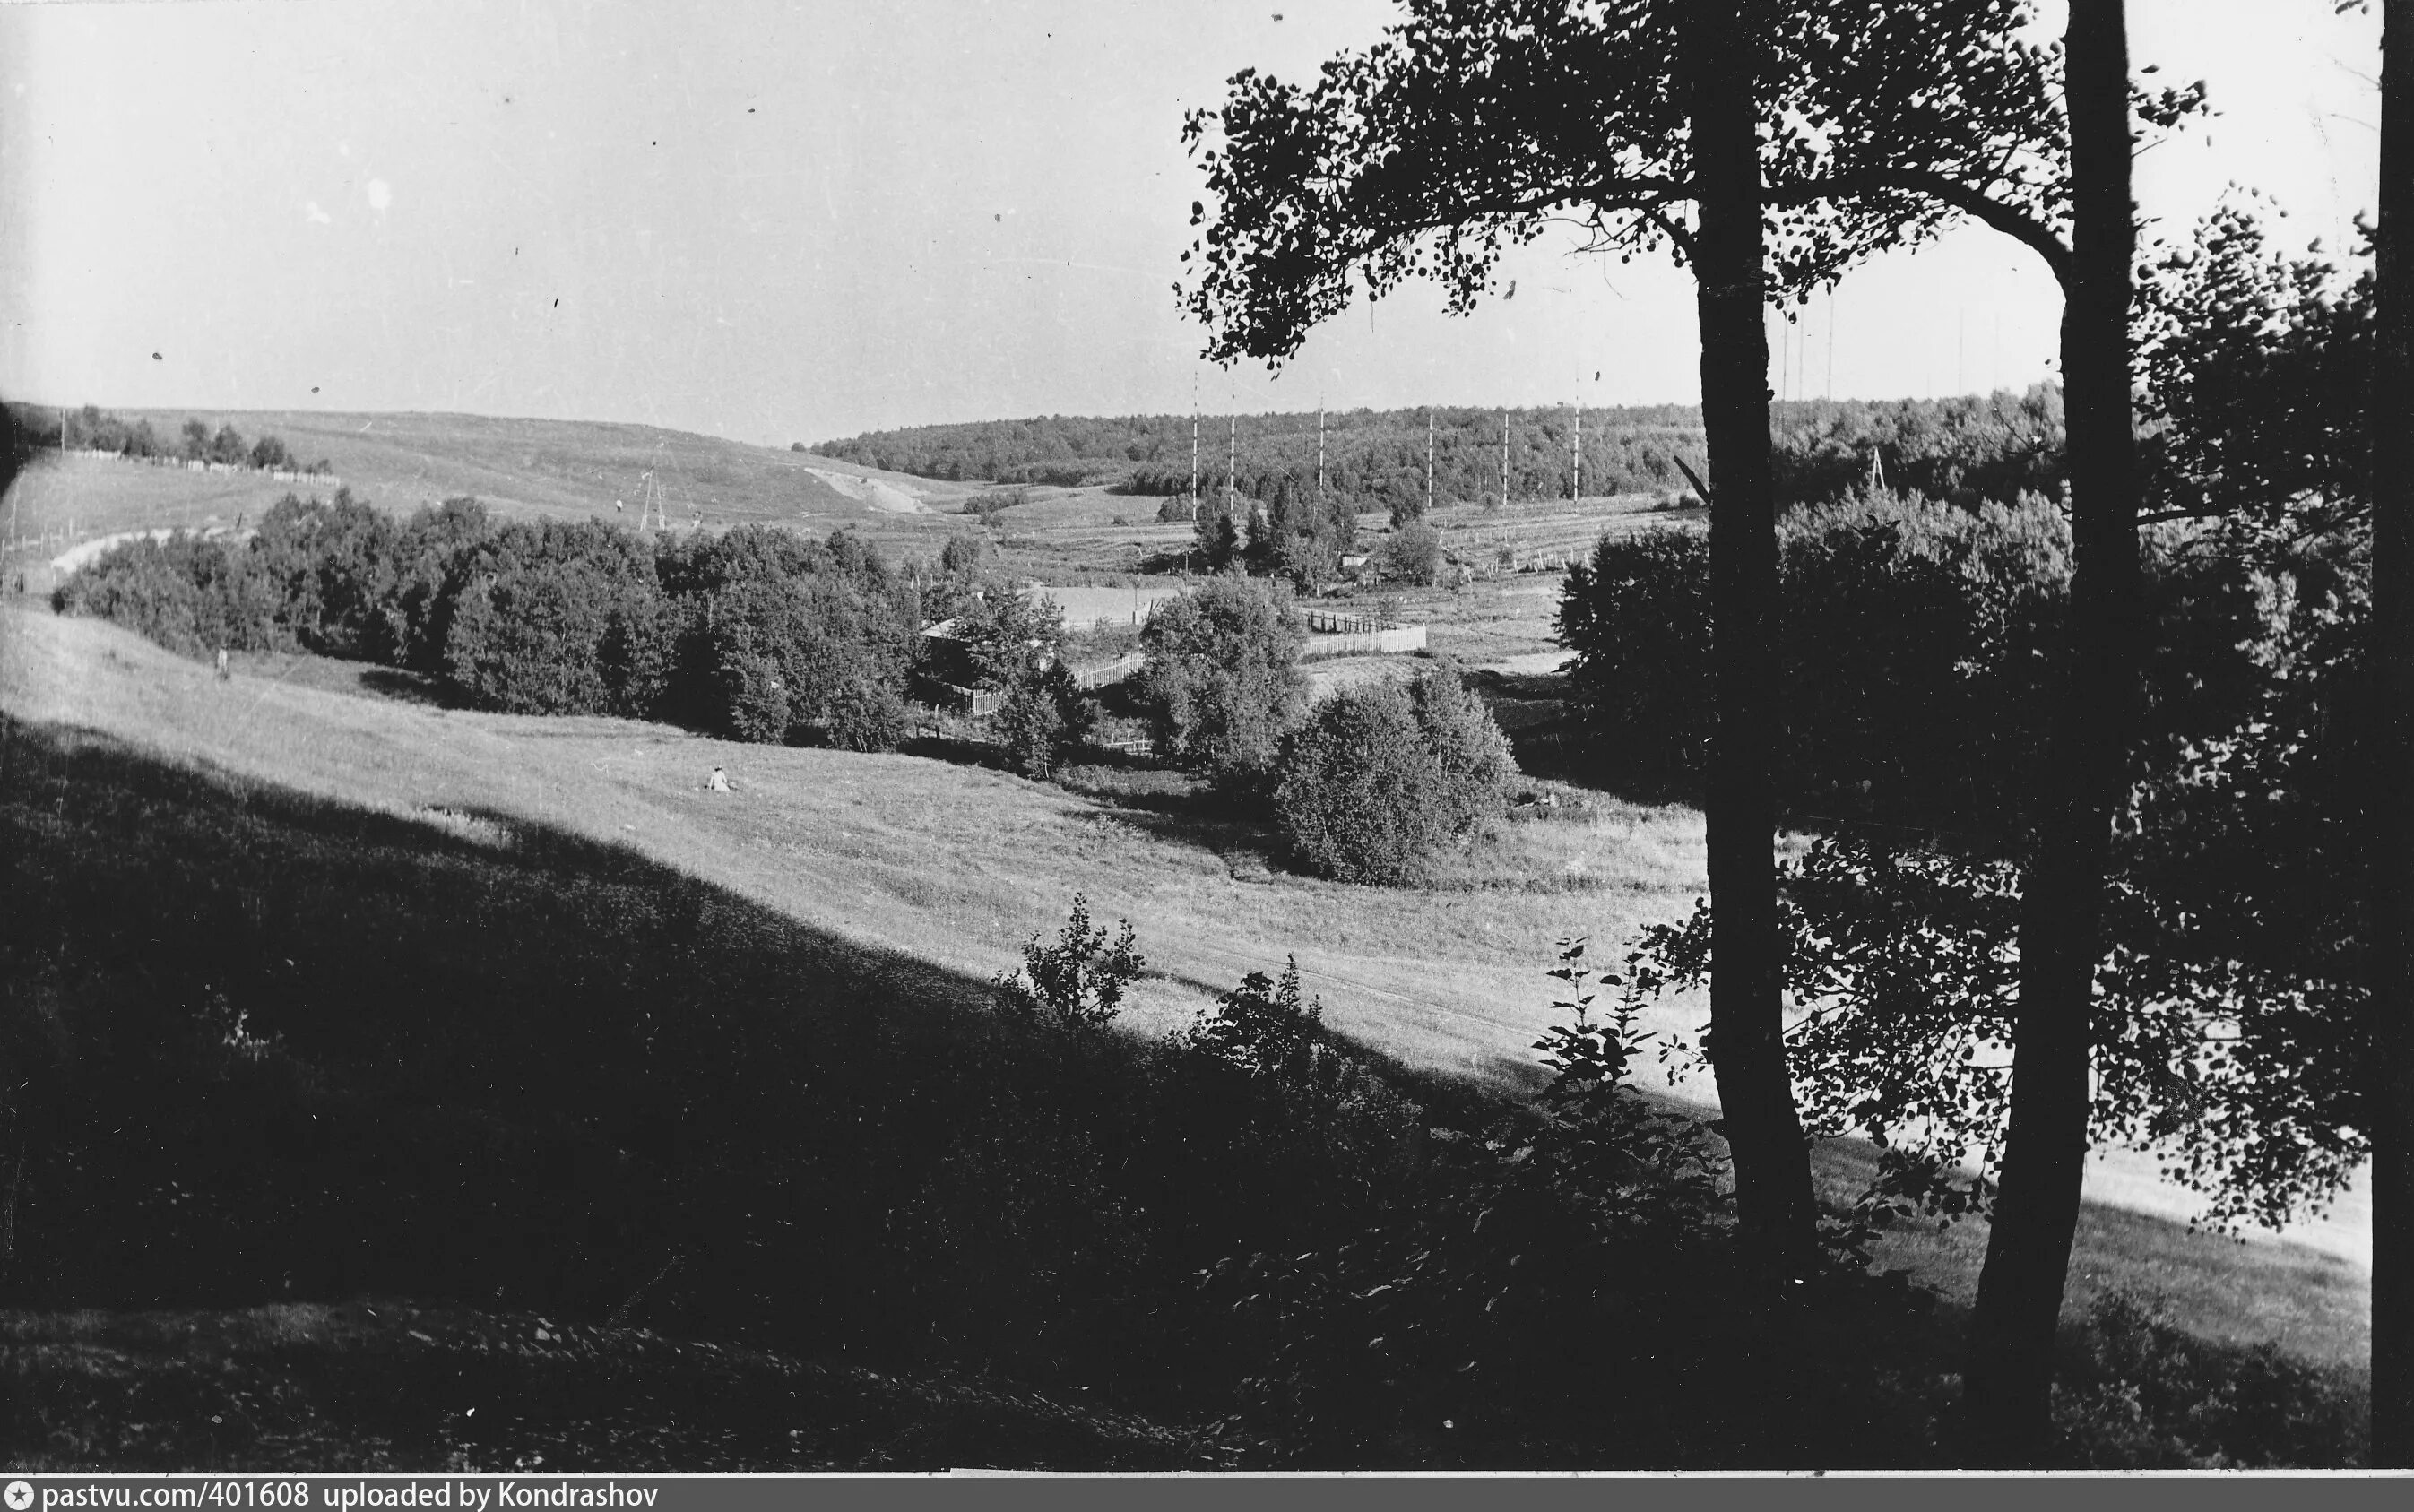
{"x": 270, "y": 1049}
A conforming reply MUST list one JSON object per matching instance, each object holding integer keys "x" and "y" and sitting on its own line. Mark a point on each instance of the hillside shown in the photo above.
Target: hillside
{"x": 928, "y": 875}
{"x": 568, "y": 470}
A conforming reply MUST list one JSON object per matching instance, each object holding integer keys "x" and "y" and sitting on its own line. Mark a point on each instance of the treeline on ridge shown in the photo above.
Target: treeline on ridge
{"x": 93, "y": 429}
{"x": 1969, "y": 447}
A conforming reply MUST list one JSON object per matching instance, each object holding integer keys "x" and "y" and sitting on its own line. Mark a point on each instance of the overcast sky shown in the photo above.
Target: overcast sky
{"x": 780, "y": 221}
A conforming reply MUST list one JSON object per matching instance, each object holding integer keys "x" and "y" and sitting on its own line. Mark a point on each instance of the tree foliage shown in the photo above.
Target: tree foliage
{"x": 1381, "y": 776}
{"x": 1221, "y": 685}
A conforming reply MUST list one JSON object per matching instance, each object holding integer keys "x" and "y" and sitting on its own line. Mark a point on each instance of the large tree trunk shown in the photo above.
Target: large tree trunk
{"x": 1763, "y": 1130}
{"x": 2036, "y": 1209}
{"x": 2392, "y": 831}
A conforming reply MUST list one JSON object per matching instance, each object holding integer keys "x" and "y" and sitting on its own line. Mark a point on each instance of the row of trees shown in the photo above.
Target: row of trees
{"x": 754, "y": 634}
{"x": 1773, "y": 145}
{"x": 1295, "y": 534}
{"x": 92, "y": 429}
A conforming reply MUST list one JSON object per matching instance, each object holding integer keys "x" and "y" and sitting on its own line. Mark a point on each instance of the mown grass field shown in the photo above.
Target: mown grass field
{"x": 941, "y": 870}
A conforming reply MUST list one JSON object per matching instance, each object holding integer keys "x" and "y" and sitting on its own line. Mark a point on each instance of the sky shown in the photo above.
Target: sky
{"x": 780, "y": 220}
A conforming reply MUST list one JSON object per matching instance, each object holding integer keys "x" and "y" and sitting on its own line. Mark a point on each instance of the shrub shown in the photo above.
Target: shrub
{"x": 1075, "y": 985}
{"x": 1381, "y": 776}
{"x": 2137, "y": 1392}
{"x": 1221, "y": 687}
{"x": 964, "y": 556}
{"x": 867, "y": 713}
{"x": 1470, "y": 752}
{"x": 1260, "y": 1028}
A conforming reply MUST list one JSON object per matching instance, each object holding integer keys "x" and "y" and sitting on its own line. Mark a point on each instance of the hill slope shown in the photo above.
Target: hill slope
{"x": 938, "y": 872}
{"x": 568, "y": 470}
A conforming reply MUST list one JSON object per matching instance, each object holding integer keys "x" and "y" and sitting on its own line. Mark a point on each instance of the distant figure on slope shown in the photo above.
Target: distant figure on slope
{"x": 718, "y": 782}
{"x": 222, "y": 664}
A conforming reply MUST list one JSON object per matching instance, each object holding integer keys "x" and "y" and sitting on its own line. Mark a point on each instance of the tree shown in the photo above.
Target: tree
{"x": 1412, "y": 552}
{"x": 2390, "y": 973}
{"x": 1008, "y": 634}
{"x": 1474, "y": 126}
{"x": 2007, "y": 1387}
{"x": 1043, "y": 719}
{"x": 1221, "y": 686}
{"x": 1381, "y": 776}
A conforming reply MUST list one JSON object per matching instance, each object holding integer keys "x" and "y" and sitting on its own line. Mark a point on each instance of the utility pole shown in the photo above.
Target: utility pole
{"x": 1231, "y": 454}
{"x": 1504, "y": 459}
{"x": 1194, "y": 452}
{"x": 1319, "y": 450}
{"x": 1577, "y": 493}
{"x": 1429, "y": 459}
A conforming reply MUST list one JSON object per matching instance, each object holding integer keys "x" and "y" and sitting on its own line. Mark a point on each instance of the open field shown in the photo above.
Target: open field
{"x": 949, "y": 868}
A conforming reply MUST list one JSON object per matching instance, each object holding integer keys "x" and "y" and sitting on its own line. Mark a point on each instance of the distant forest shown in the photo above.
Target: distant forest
{"x": 1994, "y": 447}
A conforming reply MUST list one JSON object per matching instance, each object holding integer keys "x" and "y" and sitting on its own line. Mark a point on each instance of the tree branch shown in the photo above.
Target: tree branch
{"x": 2013, "y": 222}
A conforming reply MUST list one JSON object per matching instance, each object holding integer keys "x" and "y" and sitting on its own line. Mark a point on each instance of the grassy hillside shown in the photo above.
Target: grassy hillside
{"x": 568, "y": 469}
{"x": 936, "y": 872}
{"x": 509, "y": 1018}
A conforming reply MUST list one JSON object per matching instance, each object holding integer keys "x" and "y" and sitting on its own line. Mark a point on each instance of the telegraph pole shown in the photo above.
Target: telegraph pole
{"x": 1577, "y": 490}
{"x": 1429, "y": 458}
{"x": 1231, "y": 454}
{"x": 1194, "y": 449}
{"x": 1504, "y": 459}
{"x": 1319, "y": 448}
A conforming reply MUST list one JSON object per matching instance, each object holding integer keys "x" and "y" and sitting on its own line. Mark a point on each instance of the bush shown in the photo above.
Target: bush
{"x": 1221, "y": 687}
{"x": 2137, "y": 1392}
{"x": 1381, "y": 776}
{"x": 1470, "y": 754}
{"x": 1077, "y": 985}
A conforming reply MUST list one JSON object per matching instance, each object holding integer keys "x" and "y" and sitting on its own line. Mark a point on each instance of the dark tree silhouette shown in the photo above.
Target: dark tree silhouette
{"x": 2009, "y": 1380}
{"x": 2391, "y": 970}
{"x": 1475, "y": 125}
